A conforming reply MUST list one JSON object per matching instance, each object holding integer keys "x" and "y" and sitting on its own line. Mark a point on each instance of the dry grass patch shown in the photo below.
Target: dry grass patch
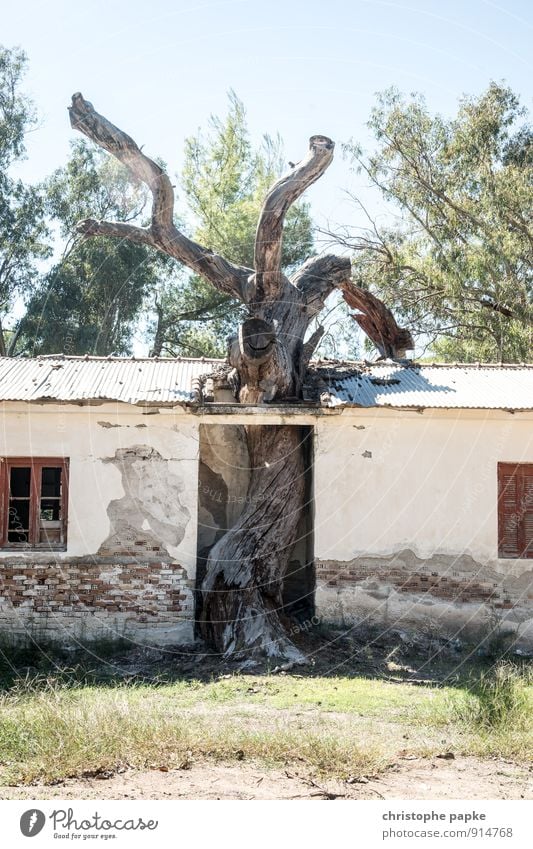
{"x": 52, "y": 728}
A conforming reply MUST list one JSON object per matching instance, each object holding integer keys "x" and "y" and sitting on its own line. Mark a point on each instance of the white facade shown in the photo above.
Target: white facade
{"x": 405, "y": 499}
{"x": 132, "y": 481}
{"x": 405, "y": 519}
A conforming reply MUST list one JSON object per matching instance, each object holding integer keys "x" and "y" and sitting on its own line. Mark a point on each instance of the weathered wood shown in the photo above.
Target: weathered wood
{"x": 256, "y": 340}
{"x": 242, "y": 587}
{"x": 311, "y": 345}
{"x": 269, "y": 236}
{"x": 377, "y": 321}
{"x": 243, "y": 583}
{"x": 318, "y": 277}
{"x": 162, "y": 233}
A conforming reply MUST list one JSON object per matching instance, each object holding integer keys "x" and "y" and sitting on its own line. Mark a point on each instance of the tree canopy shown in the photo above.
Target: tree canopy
{"x": 90, "y": 301}
{"x": 453, "y": 258}
{"x": 24, "y": 236}
{"x": 457, "y": 264}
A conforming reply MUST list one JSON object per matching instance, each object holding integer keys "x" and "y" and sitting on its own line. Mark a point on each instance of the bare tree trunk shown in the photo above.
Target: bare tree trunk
{"x": 3, "y": 351}
{"x": 159, "y": 333}
{"x": 243, "y": 584}
{"x": 242, "y": 589}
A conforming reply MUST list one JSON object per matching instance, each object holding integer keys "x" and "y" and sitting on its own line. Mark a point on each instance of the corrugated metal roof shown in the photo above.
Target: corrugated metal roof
{"x": 133, "y": 381}
{"x": 392, "y": 384}
{"x": 170, "y": 381}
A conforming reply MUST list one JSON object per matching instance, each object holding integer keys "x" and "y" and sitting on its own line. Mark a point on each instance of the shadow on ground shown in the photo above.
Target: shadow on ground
{"x": 386, "y": 655}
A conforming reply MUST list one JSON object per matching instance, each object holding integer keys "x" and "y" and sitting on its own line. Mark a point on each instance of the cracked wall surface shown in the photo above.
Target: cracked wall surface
{"x": 142, "y": 602}
{"x": 129, "y": 567}
{"x": 152, "y": 514}
{"x": 406, "y": 525}
{"x": 453, "y": 596}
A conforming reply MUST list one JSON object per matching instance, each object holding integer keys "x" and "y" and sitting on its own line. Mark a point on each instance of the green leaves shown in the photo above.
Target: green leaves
{"x": 23, "y": 229}
{"x": 17, "y": 114}
{"x": 93, "y": 184}
{"x": 457, "y": 266}
{"x": 91, "y": 300}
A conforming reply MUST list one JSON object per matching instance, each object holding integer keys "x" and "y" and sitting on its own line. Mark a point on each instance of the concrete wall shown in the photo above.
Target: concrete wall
{"x": 129, "y": 567}
{"x": 406, "y": 521}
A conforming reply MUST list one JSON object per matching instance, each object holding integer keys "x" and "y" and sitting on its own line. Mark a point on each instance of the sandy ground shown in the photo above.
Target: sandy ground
{"x": 461, "y": 778}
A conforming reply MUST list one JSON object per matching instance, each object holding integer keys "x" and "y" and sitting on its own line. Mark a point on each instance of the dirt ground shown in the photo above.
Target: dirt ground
{"x": 410, "y": 777}
{"x": 462, "y": 778}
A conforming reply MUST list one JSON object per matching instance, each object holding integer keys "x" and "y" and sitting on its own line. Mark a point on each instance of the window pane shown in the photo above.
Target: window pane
{"x": 50, "y": 525}
{"x": 19, "y": 504}
{"x": 19, "y": 482}
{"x": 19, "y": 520}
{"x": 51, "y": 482}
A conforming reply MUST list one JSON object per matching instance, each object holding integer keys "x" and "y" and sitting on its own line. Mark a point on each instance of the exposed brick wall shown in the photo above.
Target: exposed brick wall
{"x": 76, "y": 598}
{"x": 453, "y": 590}
{"x": 441, "y": 586}
{"x": 133, "y": 546}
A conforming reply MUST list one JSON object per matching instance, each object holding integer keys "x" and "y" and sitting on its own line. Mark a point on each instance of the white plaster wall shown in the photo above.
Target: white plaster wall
{"x": 429, "y": 484}
{"x": 387, "y": 481}
{"x": 75, "y": 432}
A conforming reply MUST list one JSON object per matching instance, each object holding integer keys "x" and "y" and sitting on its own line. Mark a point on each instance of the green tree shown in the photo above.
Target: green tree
{"x": 457, "y": 266}
{"x": 225, "y": 181}
{"x": 90, "y": 301}
{"x": 23, "y": 230}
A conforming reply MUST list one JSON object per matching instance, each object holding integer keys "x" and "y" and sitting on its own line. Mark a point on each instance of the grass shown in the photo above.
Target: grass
{"x": 500, "y": 699}
{"x": 63, "y": 725}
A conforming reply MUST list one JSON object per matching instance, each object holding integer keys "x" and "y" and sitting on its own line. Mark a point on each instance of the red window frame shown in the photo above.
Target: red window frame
{"x": 515, "y": 511}
{"x": 36, "y": 465}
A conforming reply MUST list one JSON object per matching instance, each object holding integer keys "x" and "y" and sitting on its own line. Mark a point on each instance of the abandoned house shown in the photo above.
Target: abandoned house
{"x": 117, "y": 476}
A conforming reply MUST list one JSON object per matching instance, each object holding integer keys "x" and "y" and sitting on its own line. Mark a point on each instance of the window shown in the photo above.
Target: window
{"x": 515, "y": 510}
{"x": 33, "y": 500}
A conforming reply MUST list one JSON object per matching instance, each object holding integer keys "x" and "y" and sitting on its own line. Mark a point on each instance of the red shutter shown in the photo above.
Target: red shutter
{"x": 515, "y": 510}
{"x": 527, "y": 510}
{"x": 3, "y": 501}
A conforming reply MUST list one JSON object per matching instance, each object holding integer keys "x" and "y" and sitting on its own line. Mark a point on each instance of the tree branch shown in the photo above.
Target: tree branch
{"x": 90, "y": 227}
{"x": 318, "y": 277}
{"x": 162, "y": 233}
{"x": 493, "y": 305}
{"x": 377, "y": 321}
{"x": 269, "y": 235}
{"x": 311, "y": 345}
{"x": 83, "y": 117}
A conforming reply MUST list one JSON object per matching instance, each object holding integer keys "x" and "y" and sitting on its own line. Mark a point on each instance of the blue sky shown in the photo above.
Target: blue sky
{"x": 159, "y": 68}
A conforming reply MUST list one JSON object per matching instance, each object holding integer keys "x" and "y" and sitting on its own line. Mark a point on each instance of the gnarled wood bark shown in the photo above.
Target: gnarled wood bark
{"x": 377, "y": 321}
{"x": 242, "y": 587}
{"x": 269, "y": 236}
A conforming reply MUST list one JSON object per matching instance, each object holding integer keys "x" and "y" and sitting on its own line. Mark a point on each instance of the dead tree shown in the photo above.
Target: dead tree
{"x": 243, "y": 584}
